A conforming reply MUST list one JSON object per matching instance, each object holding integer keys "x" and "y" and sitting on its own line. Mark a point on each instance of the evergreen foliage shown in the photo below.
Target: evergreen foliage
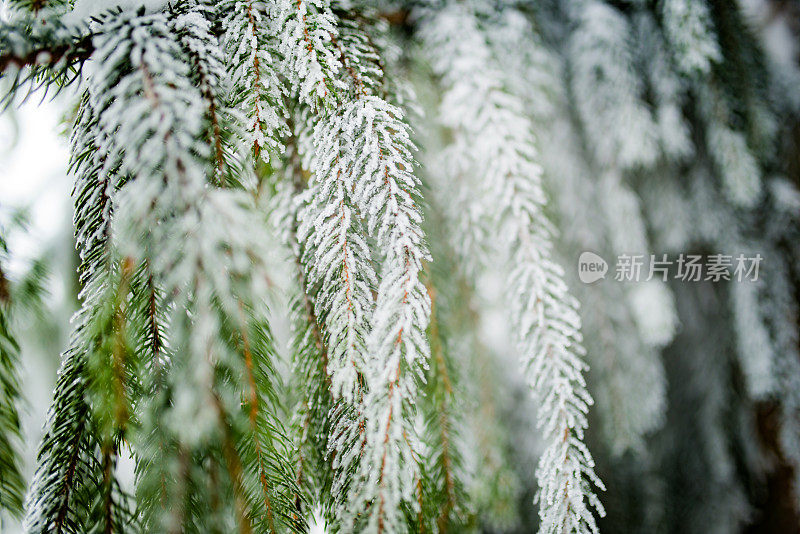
{"x": 416, "y": 177}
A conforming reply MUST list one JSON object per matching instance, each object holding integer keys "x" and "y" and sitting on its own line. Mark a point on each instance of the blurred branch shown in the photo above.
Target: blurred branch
{"x": 49, "y": 56}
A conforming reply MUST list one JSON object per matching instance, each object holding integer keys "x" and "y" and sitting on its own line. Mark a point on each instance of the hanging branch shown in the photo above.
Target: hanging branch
{"x": 168, "y": 198}
{"x": 251, "y": 53}
{"x": 12, "y": 485}
{"x": 315, "y": 414}
{"x": 69, "y": 473}
{"x": 42, "y": 51}
{"x": 496, "y": 138}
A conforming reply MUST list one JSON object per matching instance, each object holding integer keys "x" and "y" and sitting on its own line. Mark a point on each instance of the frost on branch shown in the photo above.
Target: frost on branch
{"x": 387, "y": 193}
{"x": 338, "y": 259}
{"x": 251, "y": 52}
{"x": 607, "y": 92}
{"x": 306, "y": 30}
{"x": 687, "y": 27}
{"x": 363, "y": 168}
{"x": 661, "y": 127}
{"x": 363, "y": 171}
{"x": 496, "y": 139}
{"x": 182, "y": 229}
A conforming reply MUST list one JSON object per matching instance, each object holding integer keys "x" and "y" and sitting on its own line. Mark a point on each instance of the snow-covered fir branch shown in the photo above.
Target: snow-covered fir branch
{"x": 12, "y": 484}
{"x": 338, "y": 264}
{"x": 164, "y": 152}
{"x": 496, "y": 137}
{"x": 688, "y": 28}
{"x": 606, "y": 90}
{"x": 307, "y": 28}
{"x": 387, "y": 193}
{"x": 191, "y": 24}
{"x": 251, "y": 54}
{"x": 71, "y": 468}
{"x": 363, "y": 170}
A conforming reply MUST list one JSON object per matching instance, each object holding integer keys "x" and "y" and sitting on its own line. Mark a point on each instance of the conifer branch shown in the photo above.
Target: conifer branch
{"x": 193, "y": 27}
{"x": 307, "y": 27}
{"x": 251, "y": 56}
{"x": 341, "y": 311}
{"x": 12, "y": 485}
{"x": 545, "y": 315}
{"x": 46, "y": 54}
{"x": 42, "y": 50}
{"x": 444, "y": 423}
{"x": 69, "y": 473}
{"x": 170, "y": 191}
